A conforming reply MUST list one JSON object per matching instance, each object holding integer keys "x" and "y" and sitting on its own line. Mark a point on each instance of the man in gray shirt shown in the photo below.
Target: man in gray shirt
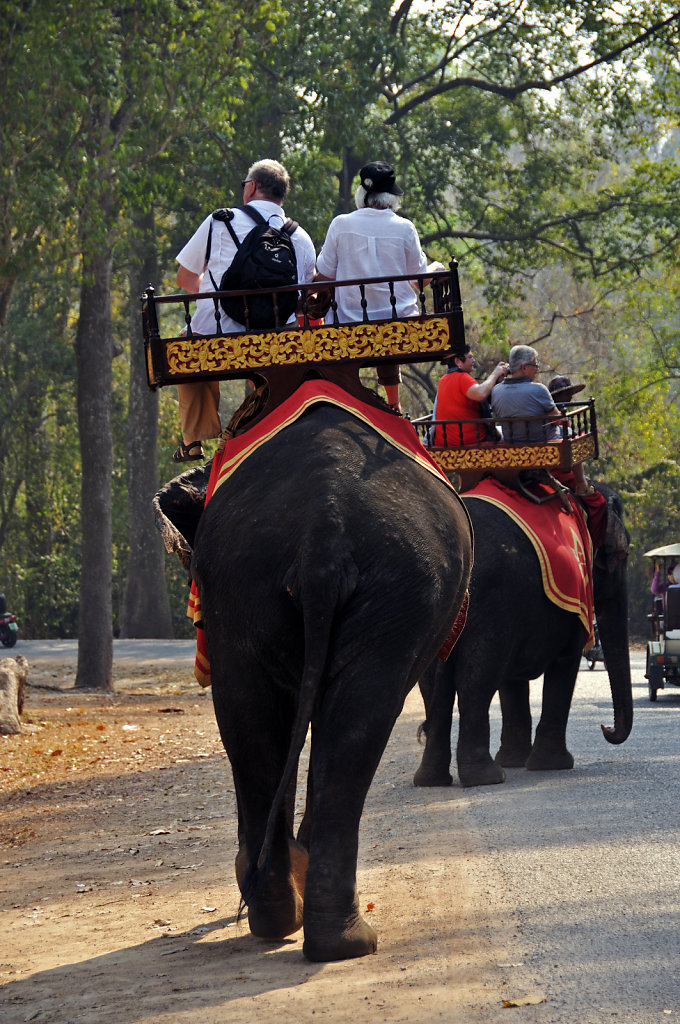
{"x": 521, "y": 396}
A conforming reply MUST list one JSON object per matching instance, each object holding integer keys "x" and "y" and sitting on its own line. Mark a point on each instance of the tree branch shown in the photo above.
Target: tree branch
{"x": 511, "y": 92}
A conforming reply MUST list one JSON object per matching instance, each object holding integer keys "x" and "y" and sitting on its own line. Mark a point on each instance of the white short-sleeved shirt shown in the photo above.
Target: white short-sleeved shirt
{"x": 372, "y": 243}
{"x": 222, "y": 252}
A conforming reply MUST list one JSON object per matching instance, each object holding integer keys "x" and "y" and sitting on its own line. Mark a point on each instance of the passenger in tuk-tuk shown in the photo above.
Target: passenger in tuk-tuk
{"x": 660, "y": 586}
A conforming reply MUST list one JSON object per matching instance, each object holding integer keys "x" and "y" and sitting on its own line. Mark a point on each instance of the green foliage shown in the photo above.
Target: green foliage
{"x": 537, "y": 143}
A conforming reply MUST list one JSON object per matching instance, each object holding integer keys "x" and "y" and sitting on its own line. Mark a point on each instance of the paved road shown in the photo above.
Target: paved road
{"x": 578, "y": 871}
{"x": 583, "y": 866}
{"x": 164, "y": 653}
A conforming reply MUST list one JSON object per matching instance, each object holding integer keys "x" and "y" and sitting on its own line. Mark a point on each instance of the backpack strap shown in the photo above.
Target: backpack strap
{"x": 289, "y": 226}
{"x": 225, "y": 215}
{"x": 253, "y": 213}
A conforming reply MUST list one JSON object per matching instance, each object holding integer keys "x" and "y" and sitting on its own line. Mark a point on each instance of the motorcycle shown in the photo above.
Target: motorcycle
{"x": 9, "y": 630}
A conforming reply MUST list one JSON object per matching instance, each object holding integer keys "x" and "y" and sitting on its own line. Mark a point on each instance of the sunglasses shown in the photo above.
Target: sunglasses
{"x": 245, "y": 182}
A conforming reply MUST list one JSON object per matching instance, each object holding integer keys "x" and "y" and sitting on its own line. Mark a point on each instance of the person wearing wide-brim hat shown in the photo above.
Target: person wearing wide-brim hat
{"x": 562, "y": 390}
{"x": 373, "y": 241}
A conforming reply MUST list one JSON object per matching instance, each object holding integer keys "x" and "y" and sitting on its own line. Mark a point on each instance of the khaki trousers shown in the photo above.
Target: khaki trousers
{"x": 198, "y": 405}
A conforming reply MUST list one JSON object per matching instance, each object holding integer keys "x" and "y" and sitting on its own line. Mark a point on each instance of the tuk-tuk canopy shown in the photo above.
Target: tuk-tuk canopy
{"x": 669, "y": 551}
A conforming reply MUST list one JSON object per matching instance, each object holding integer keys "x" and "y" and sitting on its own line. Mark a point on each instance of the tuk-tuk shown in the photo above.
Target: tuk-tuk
{"x": 595, "y": 653}
{"x": 663, "y": 646}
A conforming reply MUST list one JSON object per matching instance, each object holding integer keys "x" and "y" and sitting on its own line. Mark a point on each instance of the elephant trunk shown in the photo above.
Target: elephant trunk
{"x": 611, "y": 610}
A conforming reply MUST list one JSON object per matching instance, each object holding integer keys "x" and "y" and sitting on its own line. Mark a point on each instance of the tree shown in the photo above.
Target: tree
{"x": 146, "y": 611}
{"x": 103, "y": 129}
{"x": 527, "y": 130}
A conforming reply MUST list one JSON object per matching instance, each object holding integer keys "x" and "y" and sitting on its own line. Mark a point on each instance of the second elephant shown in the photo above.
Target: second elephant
{"x": 515, "y": 634}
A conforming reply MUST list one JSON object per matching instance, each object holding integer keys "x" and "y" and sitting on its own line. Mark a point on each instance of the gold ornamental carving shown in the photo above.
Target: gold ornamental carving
{"x": 497, "y": 457}
{"x": 233, "y": 352}
{"x": 583, "y": 448}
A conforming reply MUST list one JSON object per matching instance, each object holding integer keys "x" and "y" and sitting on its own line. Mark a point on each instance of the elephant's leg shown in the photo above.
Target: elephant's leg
{"x": 349, "y": 735}
{"x": 255, "y": 722}
{"x": 438, "y": 692}
{"x": 549, "y": 752}
{"x": 305, "y": 829}
{"x": 516, "y": 730}
{"x": 476, "y": 767}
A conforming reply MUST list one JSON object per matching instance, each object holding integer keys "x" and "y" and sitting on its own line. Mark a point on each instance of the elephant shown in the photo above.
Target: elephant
{"x": 330, "y": 568}
{"x": 514, "y": 634}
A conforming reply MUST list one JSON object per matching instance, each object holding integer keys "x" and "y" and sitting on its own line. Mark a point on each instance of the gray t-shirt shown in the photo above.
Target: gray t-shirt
{"x": 523, "y": 398}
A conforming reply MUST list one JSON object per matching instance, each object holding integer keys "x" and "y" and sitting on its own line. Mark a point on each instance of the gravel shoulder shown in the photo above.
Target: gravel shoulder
{"x": 118, "y": 898}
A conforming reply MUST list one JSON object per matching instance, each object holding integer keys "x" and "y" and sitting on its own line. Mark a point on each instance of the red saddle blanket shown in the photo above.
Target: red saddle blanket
{"x": 561, "y": 542}
{"x": 398, "y": 432}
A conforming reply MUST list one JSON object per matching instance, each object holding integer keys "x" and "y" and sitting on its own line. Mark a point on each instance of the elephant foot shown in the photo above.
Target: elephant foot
{"x": 512, "y": 757}
{"x": 486, "y": 773}
{"x": 325, "y": 941}
{"x": 549, "y": 760}
{"x": 276, "y": 910}
{"x": 429, "y": 775}
{"x": 298, "y": 864}
{"x": 275, "y": 917}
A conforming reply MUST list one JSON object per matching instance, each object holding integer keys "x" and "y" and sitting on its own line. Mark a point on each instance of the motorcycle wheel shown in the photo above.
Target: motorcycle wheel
{"x": 9, "y": 638}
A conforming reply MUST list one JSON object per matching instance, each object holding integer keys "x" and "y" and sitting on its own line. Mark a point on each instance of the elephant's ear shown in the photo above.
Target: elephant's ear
{"x": 172, "y": 538}
{"x": 177, "y": 509}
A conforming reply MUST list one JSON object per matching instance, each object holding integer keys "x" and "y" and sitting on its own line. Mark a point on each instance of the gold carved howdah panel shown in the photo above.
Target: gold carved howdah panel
{"x": 233, "y": 353}
{"x": 497, "y": 457}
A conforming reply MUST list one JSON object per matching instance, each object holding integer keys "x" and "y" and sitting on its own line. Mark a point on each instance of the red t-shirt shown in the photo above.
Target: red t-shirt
{"x": 453, "y": 404}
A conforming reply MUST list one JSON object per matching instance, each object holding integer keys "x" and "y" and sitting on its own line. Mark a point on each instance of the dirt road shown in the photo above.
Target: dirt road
{"x": 118, "y": 899}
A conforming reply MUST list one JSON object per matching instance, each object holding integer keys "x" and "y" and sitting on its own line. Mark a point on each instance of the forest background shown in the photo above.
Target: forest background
{"x": 537, "y": 143}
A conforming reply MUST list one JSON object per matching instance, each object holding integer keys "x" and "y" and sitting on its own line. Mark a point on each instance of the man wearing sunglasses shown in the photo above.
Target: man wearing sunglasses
{"x": 521, "y": 396}
{"x": 265, "y": 186}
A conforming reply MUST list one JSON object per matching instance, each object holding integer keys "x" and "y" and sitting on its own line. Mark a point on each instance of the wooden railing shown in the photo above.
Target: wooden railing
{"x": 173, "y": 356}
{"x": 513, "y": 444}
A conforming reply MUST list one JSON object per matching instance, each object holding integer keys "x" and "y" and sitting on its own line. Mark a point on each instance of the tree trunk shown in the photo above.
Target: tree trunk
{"x": 146, "y": 609}
{"x": 351, "y": 164}
{"x": 13, "y": 676}
{"x": 37, "y": 589}
{"x": 94, "y": 353}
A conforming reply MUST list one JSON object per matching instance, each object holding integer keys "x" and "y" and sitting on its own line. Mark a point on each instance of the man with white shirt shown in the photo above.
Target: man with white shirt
{"x": 373, "y": 241}
{"x": 265, "y": 186}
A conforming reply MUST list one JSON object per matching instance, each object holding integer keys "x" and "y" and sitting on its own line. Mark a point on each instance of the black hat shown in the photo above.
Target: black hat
{"x": 563, "y": 390}
{"x": 379, "y": 177}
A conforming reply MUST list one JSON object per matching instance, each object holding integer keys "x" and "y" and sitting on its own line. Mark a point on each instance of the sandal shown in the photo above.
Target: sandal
{"x": 183, "y": 452}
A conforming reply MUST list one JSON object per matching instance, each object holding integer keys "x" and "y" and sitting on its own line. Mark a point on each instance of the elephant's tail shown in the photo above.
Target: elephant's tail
{"x": 322, "y": 593}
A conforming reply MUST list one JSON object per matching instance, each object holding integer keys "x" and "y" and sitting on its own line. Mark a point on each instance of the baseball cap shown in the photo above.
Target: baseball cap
{"x": 379, "y": 177}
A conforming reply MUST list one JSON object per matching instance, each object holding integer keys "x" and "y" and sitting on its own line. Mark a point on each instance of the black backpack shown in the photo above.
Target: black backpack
{"x": 264, "y": 259}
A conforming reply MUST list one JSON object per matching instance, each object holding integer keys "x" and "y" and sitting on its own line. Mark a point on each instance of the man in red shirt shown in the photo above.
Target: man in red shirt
{"x": 458, "y": 398}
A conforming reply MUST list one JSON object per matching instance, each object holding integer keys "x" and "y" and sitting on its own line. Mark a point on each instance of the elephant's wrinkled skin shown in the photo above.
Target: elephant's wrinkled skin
{"x": 330, "y": 568}
{"x": 514, "y": 634}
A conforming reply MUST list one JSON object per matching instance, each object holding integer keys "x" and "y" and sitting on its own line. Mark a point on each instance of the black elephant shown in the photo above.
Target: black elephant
{"x": 514, "y": 634}
{"x": 330, "y": 568}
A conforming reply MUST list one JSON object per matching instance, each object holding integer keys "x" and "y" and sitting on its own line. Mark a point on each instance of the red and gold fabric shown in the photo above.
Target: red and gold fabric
{"x": 398, "y": 432}
{"x": 562, "y": 544}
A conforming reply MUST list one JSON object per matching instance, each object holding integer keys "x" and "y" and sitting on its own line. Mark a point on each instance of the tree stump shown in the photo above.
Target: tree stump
{"x": 13, "y": 676}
